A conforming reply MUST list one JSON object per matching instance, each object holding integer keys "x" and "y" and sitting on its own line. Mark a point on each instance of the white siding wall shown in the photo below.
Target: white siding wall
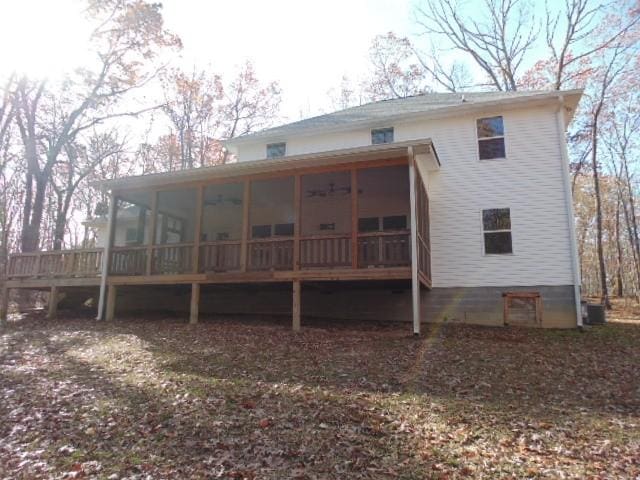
{"x": 528, "y": 181}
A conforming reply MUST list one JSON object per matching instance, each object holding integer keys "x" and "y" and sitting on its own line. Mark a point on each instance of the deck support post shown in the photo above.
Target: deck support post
{"x": 4, "y": 307}
{"x": 53, "y": 303}
{"x": 415, "y": 282}
{"x": 106, "y": 254}
{"x": 111, "y": 302}
{"x": 297, "y": 307}
{"x": 194, "y": 308}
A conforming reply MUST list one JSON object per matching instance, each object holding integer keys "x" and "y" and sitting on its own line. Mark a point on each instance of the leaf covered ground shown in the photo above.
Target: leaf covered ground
{"x": 147, "y": 398}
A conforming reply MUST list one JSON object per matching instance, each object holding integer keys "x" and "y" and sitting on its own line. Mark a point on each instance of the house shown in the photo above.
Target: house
{"x": 437, "y": 207}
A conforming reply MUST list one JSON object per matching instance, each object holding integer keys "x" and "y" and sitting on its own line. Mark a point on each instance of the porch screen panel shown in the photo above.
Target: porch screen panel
{"x": 175, "y": 231}
{"x": 325, "y": 214}
{"x": 132, "y": 234}
{"x": 220, "y": 239}
{"x": 423, "y": 227}
{"x": 271, "y": 218}
{"x": 383, "y": 217}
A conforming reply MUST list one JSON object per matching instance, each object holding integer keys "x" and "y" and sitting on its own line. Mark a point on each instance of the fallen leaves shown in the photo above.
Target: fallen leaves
{"x": 149, "y": 398}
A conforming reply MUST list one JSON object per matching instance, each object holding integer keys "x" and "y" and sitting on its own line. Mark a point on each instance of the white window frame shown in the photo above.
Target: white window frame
{"x": 393, "y": 134}
{"x": 483, "y": 231}
{"x": 273, "y": 144}
{"x": 478, "y": 139}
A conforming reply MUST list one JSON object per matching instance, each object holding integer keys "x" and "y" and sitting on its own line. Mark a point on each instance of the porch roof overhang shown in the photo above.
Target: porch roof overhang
{"x": 283, "y": 164}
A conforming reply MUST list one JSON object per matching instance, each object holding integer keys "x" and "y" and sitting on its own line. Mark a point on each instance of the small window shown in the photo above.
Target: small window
{"x": 368, "y": 224}
{"x": 490, "y": 138}
{"x": 496, "y": 227}
{"x": 261, "y": 231}
{"x": 382, "y": 135}
{"x": 275, "y": 150}
{"x": 131, "y": 235}
{"x": 394, "y": 222}
{"x": 283, "y": 229}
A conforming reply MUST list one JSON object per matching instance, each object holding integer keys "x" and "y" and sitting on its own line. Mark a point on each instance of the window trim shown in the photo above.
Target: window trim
{"x": 483, "y": 231}
{"x": 380, "y": 129}
{"x": 273, "y": 144}
{"x": 478, "y": 139}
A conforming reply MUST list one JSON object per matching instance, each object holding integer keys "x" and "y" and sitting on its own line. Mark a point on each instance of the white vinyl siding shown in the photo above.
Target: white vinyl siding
{"x": 529, "y": 182}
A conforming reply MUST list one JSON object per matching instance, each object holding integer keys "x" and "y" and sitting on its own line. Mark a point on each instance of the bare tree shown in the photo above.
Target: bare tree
{"x": 127, "y": 37}
{"x": 190, "y": 104}
{"x": 80, "y": 162}
{"x": 498, "y": 43}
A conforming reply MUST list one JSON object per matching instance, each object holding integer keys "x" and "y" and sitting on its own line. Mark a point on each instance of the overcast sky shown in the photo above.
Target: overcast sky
{"x": 306, "y": 46}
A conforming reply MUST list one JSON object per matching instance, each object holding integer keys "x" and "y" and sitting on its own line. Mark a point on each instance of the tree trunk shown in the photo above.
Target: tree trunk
{"x": 619, "y": 285}
{"x": 31, "y": 226}
{"x": 604, "y": 291}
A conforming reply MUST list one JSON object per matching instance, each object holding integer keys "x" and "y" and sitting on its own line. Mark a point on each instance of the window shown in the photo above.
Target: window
{"x": 283, "y": 229}
{"x": 394, "y": 222}
{"x": 368, "y": 224}
{"x": 275, "y": 150}
{"x": 496, "y": 228}
{"x": 261, "y": 231}
{"x": 490, "y": 138}
{"x": 382, "y": 135}
{"x": 131, "y": 235}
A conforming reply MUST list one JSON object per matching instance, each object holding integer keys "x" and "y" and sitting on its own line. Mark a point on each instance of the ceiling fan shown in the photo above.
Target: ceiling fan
{"x": 330, "y": 192}
{"x": 221, "y": 200}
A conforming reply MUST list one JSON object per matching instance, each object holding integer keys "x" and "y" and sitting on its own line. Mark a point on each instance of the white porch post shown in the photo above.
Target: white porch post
{"x": 415, "y": 283}
{"x": 106, "y": 253}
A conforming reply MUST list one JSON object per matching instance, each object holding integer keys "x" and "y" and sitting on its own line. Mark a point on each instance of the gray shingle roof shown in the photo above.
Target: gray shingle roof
{"x": 381, "y": 110}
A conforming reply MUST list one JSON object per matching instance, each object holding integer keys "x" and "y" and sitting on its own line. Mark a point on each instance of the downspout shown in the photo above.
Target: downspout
{"x": 415, "y": 282}
{"x": 106, "y": 253}
{"x": 575, "y": 262}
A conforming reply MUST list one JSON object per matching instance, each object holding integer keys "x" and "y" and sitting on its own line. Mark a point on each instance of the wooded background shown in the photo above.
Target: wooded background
{"x": 130, "y": 113}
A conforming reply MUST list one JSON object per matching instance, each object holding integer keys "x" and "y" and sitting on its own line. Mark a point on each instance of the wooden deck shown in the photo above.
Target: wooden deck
{"x": 381, "y": 255}
{"x": 170, "y": 248}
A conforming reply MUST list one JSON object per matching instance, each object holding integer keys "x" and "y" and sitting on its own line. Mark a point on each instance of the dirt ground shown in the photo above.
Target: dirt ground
{"x": 147, "y": 398}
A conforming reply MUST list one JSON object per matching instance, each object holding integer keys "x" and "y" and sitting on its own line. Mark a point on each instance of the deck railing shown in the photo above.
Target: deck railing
{"x": 326, "y": 251}
{"x": 128, "y": 260}
{"x": 271, "y": 254}
{"x": 375, "y": 249}
{"x": 384, "y": 249}
{"x": 172, "y": 259}
{"x": 220, "y": 256}
{"x": 57, "y": 263}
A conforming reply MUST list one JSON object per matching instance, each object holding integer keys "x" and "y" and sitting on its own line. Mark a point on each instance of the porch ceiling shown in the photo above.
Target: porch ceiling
{"x": 284, "y": 164}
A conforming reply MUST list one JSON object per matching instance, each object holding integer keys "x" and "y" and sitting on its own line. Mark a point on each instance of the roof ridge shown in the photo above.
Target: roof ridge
{"x": 410, "y": 105}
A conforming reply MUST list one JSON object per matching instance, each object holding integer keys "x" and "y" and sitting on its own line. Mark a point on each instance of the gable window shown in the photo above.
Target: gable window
{"x": 496, "y": 228}
{"x": 490, "y": 138}
{"x": 382, "y": 135}
{"x": 275, "y": 150}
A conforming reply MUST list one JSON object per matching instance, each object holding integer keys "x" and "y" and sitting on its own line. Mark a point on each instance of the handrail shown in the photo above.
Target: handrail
{"x": 384, "y": 233}
{"x": 71, "y": 263}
